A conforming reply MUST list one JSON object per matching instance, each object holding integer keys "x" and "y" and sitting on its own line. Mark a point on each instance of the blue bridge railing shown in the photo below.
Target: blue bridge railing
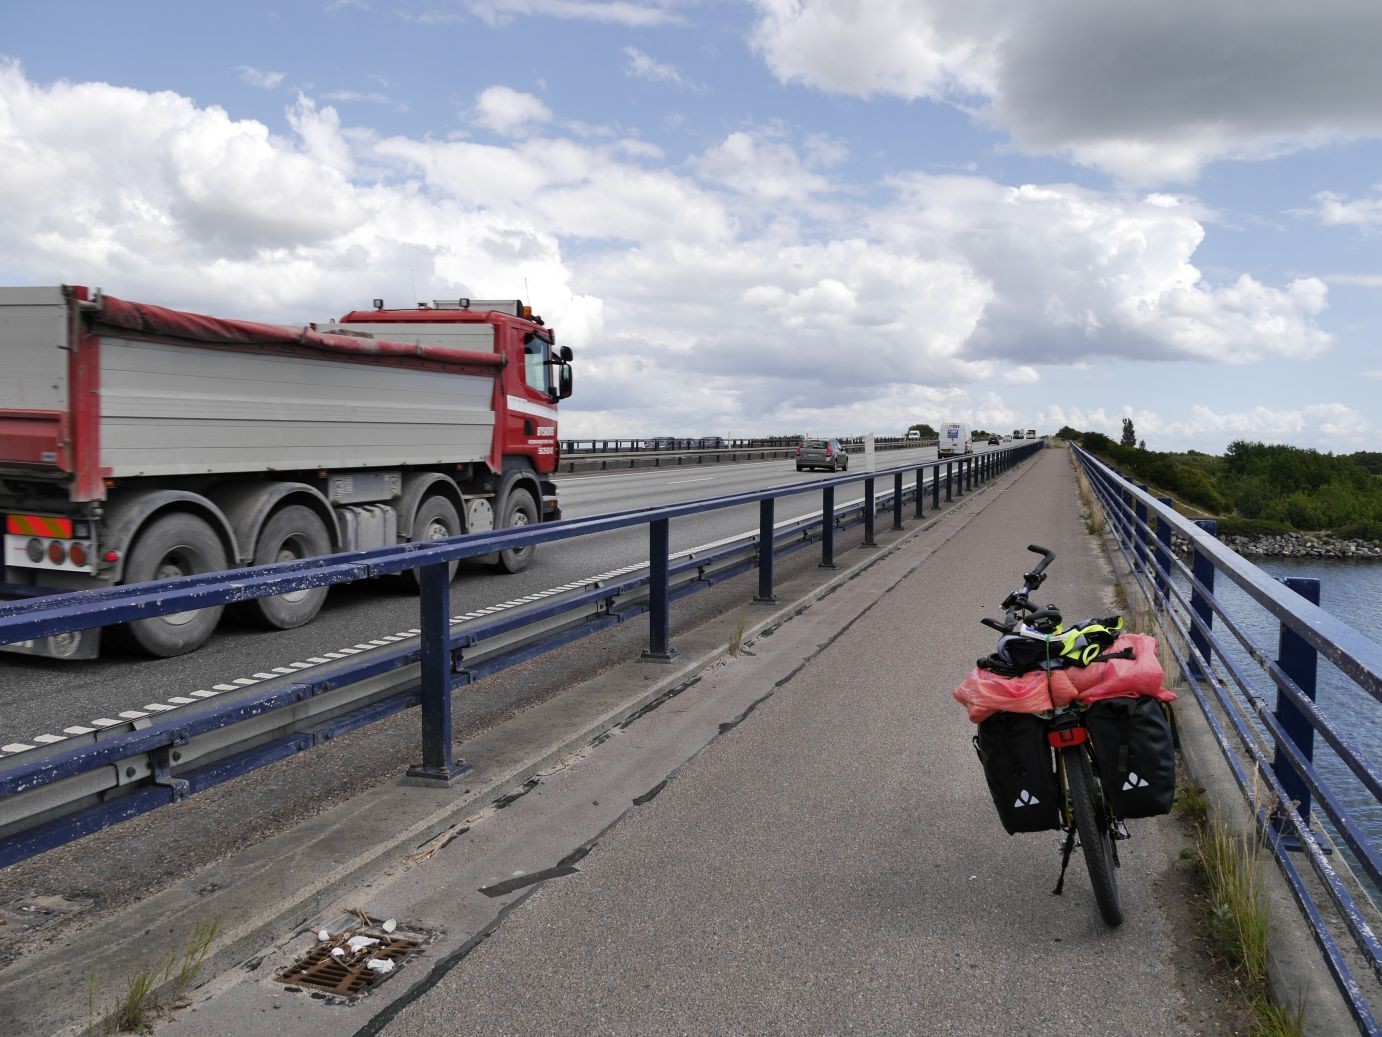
{"x": 1262, "y": 707}
{"x": 54, "y": 792}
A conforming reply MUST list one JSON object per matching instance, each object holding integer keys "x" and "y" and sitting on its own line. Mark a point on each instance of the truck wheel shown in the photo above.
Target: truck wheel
{"x": 436, "y": 519}
{"x": 519, "y": 511}
{"x": 174, "y": 545}
{"x": 293, "y": 533}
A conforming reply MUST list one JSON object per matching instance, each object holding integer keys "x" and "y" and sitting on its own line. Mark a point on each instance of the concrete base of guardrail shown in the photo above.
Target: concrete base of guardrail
{"x": 281, "y": 885}
{"x": 1297, "y": 973}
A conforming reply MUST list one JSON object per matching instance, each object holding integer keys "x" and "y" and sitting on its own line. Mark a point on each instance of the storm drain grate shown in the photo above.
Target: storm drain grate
{"x": 350, "y": 973}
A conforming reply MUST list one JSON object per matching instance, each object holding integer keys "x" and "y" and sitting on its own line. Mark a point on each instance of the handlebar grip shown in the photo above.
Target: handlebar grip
{"x": 1048, "y": 556}
{"x": 996, "y": 625}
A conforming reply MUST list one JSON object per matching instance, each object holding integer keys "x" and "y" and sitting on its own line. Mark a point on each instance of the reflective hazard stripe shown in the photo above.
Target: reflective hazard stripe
{"x": 39, "y": 526}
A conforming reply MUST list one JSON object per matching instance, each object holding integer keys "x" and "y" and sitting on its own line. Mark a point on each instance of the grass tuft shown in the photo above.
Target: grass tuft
{"x": 134, "y": 1011}
{"x": 736, "y": 639}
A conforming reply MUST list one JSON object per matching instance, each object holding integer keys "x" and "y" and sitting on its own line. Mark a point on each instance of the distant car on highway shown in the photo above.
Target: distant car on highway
{"x": 822, "y": 453}
{"x": 913, "y": 433}
{"x": 995, "y": 439}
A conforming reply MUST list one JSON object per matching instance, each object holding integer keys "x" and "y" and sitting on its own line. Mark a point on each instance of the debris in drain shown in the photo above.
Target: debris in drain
{"x": 352, "y": 961}
{"x": 323, "y": 935}
{"x": 389, "y": 926}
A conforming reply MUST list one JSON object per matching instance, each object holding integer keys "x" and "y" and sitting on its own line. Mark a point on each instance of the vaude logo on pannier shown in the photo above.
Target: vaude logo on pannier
{"x": 1133, "y": 782}
{"x": 1025, "y": 799}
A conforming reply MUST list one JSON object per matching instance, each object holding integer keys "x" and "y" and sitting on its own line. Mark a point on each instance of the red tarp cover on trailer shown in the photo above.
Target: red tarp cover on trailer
{"x": 118, "y": 314}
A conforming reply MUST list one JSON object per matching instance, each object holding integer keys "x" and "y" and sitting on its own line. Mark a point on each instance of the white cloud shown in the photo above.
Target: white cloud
{"x": 642, "y": 66}
{"x": 740, "y": 292}
{"x": 1354, "y": 280}
{"x": 1180, "y": 82}
{"x": 615, "y": 12}
{"x": 1333, "y": 427}
{"x": 763, "y": 169}
{"x": 263, "y": 80}
{"x": 509, "y": 112}
{"x": 1334, "y": 210}
{"x": 1075, "y": 270}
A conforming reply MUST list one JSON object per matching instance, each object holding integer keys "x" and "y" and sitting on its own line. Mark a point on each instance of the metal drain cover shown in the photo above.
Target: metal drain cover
{"x": 350, "y": 973}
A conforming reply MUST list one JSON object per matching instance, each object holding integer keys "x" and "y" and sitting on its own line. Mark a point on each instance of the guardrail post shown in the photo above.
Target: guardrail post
{"x": 949, "y": 475}
{"x": 765, "y": 552}
{"x": 897, "y": 501}
{"x": 921, "y": 492}
{"x": 1299, "y": 661}
{"x": 1143, "y": 534}
{"x": 868, "y": 513}
{"x": 434, "y": 611}
{"x": 659, "y": 603}
{"x": 1203, "y": 570}
{"x": 1163, "y": 554}
{"x": 935, "y": 487}
{"x": 828, "y": 528}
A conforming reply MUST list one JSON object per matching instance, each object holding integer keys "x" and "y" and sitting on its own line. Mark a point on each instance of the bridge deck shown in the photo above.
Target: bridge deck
{"x": 831, "y": 863}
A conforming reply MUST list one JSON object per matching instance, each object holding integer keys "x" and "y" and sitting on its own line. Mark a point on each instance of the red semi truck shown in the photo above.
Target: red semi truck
{"x": 142, "y": 443}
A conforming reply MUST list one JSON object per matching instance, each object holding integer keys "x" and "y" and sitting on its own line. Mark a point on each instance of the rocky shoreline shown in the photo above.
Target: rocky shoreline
{"x": 1293, "y": 545}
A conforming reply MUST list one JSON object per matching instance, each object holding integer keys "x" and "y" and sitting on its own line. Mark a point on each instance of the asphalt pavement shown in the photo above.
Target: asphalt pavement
{"x": 799, "y": 841}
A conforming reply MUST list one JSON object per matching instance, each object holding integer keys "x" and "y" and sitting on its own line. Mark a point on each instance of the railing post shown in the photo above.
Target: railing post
{"x": 765, "y": 551}
{"x": 659, "y": 604}
{"x": 921, "y": 490}
{"x": 1163, "y": 554}
{"x": 1143, "y": 534}
{"x": 434, "y": 611}
{"x": 897, "y": 501}
{"x": 936, "y": 487}
{"x": 1203, "y": 570}
{"x": 868, "y": 513}
{"x": 949, "y": 476}
{"x": 828, "y": 528}
{"x": 1299, "y": 661}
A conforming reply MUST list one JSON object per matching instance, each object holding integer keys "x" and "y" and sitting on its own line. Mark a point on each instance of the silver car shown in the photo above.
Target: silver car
{"x": 822, "y": 453}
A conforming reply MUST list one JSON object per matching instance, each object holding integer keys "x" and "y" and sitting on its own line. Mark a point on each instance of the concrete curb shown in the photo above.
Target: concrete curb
{"x": 338, "y": 850}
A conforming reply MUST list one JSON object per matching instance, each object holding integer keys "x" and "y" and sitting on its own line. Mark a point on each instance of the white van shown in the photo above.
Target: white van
{"x": 913, "y": 433}
{"x": 954, "y": 439}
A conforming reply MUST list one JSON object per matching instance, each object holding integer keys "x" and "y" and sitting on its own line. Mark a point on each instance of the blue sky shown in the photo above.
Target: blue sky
{"x": 751, "y": 216}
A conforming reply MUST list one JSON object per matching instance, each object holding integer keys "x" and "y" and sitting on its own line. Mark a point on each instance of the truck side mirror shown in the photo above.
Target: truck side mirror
{"x": 565, "y": 352}
{"x": 564, "y": 380}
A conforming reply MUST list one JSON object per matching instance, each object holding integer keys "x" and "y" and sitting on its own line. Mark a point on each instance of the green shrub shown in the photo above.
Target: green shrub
{"x": 1230, "y": 526}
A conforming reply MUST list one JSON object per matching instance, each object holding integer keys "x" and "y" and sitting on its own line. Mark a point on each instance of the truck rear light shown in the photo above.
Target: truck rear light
{"x": 34, "y": 549}
{"x": 77, "y": 554}
{"x": 111, "y": 556}
{"x": 57, "y": 553}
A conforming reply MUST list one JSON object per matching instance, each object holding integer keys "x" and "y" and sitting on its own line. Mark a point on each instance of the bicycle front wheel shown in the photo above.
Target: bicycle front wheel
{"x": 1091, "y": 822}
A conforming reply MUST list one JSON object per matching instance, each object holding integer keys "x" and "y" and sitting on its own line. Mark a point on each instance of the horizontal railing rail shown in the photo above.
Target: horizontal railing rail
{"x": 1260, "y": 702}
{"x": 697, "y": 443}
{"x": 89, "y": 778}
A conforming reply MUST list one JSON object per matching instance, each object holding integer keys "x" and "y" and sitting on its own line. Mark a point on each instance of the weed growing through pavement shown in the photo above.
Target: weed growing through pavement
{"x": 736, "y": 639}
{"x": 1094, "y": 521}
{"x": 1235, "y": 912}
{"x": 133, "y": 1011}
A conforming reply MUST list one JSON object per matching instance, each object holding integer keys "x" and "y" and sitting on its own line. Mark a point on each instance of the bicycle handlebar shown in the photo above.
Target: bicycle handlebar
{"x": 1016, "y": 603}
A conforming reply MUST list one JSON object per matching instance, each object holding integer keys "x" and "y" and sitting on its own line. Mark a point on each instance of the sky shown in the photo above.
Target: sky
{"x": 751, "y": 217}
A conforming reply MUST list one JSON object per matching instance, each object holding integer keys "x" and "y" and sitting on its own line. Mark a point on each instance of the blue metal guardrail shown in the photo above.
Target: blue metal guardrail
{"x": 1268, "y": 740}
{"x": 56, "y": 792}
{"x": 623, "y": 446}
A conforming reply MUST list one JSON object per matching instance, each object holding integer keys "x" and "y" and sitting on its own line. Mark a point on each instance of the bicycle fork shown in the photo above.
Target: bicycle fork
{"x": 1067, "y": 735}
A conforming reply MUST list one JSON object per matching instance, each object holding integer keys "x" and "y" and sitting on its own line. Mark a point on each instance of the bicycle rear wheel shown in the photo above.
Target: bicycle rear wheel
{"x": 1091, "y": 822}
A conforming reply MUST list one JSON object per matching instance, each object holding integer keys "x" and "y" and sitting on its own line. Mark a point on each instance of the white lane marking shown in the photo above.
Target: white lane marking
{"x": 133, "y": 714}
{"x": 688, "y": 482}
{"x": 77, "y": 729}
{"x": 15, "y": 747}
{"x": 50, "y": 739}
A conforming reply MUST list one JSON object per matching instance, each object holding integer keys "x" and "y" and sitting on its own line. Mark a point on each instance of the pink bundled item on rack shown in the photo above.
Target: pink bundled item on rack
{"x": 984, "y": 693}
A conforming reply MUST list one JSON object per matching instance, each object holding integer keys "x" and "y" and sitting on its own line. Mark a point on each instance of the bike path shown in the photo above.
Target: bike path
{"x": 831, "y": 863}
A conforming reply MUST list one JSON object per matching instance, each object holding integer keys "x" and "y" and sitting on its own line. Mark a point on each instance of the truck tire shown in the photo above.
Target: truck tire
{"x": 436, "y": 519}
{"x": 177, "y": 544}
{"x": 292, "y": 533}
{"x": 519, "y": 510}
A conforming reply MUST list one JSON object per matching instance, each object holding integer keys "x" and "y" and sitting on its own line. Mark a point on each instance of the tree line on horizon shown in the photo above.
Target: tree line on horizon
{"x": 1257, "y": 489}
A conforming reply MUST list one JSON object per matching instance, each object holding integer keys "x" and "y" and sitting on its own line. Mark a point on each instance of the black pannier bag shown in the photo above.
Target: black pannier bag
{"x": 1021, "y": 775}
{"x": 1136, "y": 753}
